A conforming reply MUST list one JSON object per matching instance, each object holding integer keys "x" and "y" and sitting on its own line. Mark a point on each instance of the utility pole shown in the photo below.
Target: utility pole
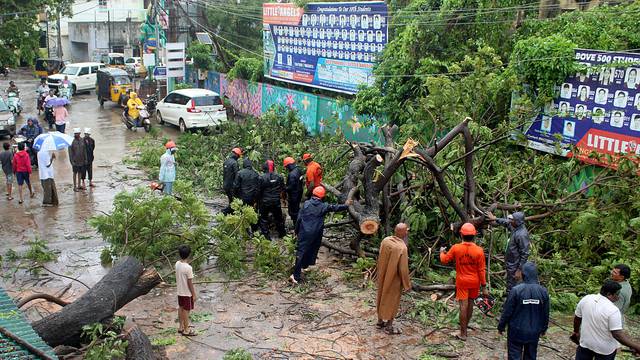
{"x": 59, "y": 46}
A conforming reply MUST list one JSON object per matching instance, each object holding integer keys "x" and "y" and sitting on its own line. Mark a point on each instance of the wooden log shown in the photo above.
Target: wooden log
{"x": 123, "y": 283}
{"x": 434, "y": 287}
{"x": 139, "y": 347}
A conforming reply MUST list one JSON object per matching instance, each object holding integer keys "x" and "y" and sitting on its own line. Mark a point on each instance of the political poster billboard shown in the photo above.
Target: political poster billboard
{"x": 330, "y": 46}
{"x": 595, "y": 116}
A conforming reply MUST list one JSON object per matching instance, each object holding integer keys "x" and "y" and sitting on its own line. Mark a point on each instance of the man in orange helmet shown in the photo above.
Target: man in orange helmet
{"x": 229, "y": 171}
{"x": 314, "y": 173}
{"x": 470, "y": 273}
{"x": 309, "y": 229}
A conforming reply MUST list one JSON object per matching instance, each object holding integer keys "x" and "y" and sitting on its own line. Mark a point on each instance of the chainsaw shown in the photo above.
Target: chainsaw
{"x": 485, "y": 304}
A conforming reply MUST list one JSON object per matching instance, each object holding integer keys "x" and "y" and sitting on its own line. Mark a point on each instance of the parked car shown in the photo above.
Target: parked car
{"x": 134, "y": 67}
{"x": 191, "y": 108}
{"x": 7, "y": 120}
{"x": 81, "y": 75}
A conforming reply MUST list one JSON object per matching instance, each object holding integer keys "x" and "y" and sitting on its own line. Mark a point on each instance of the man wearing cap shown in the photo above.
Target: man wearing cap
{"x": 294, "y": 187}
{"x": 314, "y": 173}
{"x": 90, "y": 144}
{"x": 309, "y": 230}
{"x": 229, "y": 172}
{"x": 470, "y": 273}
{"x": 518, "y": 247}
{"x": 78, "y": 159}
{"x": 168, "y": 168}
{"x": 271, "y": 188}
{"x": 393, "y": 277}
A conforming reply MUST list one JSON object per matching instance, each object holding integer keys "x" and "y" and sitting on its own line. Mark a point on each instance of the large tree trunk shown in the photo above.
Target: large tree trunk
{"x": 126, "y": 281}
{"x": 139, "y": 347}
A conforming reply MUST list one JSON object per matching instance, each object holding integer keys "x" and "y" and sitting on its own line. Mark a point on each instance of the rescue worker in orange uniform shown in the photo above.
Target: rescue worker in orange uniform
{"x": 314, "y": 174}
{"x": 470, "y": 273}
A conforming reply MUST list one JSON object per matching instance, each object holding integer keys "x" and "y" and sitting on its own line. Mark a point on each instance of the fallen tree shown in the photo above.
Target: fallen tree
{"x": 126, "y": 281}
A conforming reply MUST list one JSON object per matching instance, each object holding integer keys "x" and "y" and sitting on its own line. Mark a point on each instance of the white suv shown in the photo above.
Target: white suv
{"x": 81, "y": 75}
{"x": 192, "y": 108}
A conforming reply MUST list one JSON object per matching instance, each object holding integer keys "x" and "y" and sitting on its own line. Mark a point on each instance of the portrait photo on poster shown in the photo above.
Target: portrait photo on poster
{"x": 620, "y": 99}
{"x": 631, "y": 78}
{"x": 635, "y": 122}
{"x": 606, "y": 76}
{"x": 583, "y": 92}
{"x": 583, "y": 75}
{"x": 581, "y": 111}
{"x": 636, "y": 101}
{"x": 565, "y": 91}
{"x": 598, "y": 114}
{"x": 545, "y": 123}
{"x": 601, "y": 96}
{"x": 564, "y": 108}
{"x": 617, "y": 119}
{"x": 569, "y": 128}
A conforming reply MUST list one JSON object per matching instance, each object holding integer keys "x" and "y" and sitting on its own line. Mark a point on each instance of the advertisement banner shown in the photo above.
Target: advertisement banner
{"x": 330, "y": 46}
{"x": 596, "y": 112}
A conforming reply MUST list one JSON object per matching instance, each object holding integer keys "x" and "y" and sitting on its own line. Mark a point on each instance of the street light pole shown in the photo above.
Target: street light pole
{"x": 59, "y": 52}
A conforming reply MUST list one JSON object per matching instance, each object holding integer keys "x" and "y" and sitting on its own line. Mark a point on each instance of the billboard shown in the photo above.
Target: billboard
{"x": 330, "y": 46}
{"x": 594, "y": 112}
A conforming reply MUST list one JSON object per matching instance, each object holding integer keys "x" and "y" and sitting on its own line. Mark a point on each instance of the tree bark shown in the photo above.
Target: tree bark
{"x": 126, "y": 281}
{"x": 139, "y": 347}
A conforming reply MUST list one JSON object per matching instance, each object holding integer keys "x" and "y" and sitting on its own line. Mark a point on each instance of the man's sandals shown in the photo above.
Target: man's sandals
{"x": 389, "y": 329}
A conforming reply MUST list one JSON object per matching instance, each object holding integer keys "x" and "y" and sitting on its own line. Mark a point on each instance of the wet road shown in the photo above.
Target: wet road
{"x": 65, "y": 227}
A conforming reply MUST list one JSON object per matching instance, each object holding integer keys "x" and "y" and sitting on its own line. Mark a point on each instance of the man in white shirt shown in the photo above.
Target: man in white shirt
{"x": 45, "y": 171}
{"x": 597, "y": 325}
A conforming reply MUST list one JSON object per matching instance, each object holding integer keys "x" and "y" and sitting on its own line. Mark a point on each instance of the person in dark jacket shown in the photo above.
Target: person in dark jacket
{"x": 526, "y": 313}
{"x": 247, "y": 184}
{"x": 90, "y": 144}
{"x": 271, "y": 188}
{"x": 229, "y": 172}
{"x": 309, "y": 229}
{"x": 518, "y": 247}
{"x": 295, "y": 182}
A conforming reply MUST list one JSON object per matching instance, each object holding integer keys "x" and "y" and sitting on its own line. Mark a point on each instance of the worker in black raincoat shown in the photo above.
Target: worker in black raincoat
{"x": 271, "y": 188}
{"x": 295, "y": 183}
{"x": 247, "y": 184}
{"x": 518, "y": 246}
{"x": 229, "y": 172}
{"x": 309, "y": 229}
{"x": 526, "y": 313}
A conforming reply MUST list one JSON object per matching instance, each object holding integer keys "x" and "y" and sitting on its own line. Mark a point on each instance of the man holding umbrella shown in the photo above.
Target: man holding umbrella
{"x": 45, "y": 144}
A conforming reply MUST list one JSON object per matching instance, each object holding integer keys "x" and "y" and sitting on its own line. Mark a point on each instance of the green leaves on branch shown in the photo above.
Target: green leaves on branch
{"x": 201, "y": 55}
{"x": 149, "y": 225}
{"x": 247, "y": 68}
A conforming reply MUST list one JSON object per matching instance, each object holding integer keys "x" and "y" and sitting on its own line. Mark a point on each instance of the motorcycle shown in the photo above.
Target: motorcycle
{"x": 14, "y": 103}
{"x": 144, "y": 120}
{"x": 151, "y": 101}
{"x": 65, "y": 91}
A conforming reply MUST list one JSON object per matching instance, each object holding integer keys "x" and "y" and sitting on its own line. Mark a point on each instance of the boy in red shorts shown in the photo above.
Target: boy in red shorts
{"x": 186, "y": 292}
{"x": 470, "y": 273}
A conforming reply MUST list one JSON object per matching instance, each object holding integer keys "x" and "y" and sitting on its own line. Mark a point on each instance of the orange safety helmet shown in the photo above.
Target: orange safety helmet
{"x": 237, "y": 151}
{"x": 170, "y": 144}
{"x": 319, "y": 192}
{"x": 288, "y": 161}
{"x": 307, "y": 156}
{"x": 468, "y": 229}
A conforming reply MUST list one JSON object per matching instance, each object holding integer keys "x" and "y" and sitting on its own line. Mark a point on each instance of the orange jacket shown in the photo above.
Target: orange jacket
{"x": 470, "y": 264}
{"x": 314, "y": 174}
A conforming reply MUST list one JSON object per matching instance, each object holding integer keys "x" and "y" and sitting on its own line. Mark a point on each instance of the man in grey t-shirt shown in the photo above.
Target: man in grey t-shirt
{"x": 6, "y": 158}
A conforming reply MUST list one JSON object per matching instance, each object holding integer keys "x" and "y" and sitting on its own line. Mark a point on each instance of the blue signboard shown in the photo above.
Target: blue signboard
{"x": 597, "y": 111}
{"x": 326, "y": 45}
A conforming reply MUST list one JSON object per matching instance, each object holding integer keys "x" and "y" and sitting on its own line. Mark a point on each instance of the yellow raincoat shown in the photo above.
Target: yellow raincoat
{"x": 132, "y": 104}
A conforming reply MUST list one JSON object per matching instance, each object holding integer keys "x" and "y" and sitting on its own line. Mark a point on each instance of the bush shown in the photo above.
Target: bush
{"x": 232, "y": 237}
{"x": 148, "y": 225}
{"x": 237, "y": 354}
{"x": 272, "y": 258}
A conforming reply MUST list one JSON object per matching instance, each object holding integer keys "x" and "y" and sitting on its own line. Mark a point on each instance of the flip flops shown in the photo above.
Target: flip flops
{"x": 391, "y": 330}
{"x": 189, "y": 333}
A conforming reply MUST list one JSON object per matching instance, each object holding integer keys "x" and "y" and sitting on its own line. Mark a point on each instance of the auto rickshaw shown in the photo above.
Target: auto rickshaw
{"x": 112, "y": 84}
{"x": 113, "y": 60}
{"x": 46, "y": 67}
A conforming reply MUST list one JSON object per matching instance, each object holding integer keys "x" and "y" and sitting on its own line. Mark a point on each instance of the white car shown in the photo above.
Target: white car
{"x": 191, "y": 108}
{"x": 81, "y": 75}
{"x": 133, "y": 65}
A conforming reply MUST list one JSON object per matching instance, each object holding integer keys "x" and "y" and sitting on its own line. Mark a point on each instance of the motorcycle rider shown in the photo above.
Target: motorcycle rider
{"x": 13, "y": 88}
{"x": 30, "y": 131}
{"x": 43, "y": 91}
{"x": 48, "y": 109}
{"x": 133, "y": 104}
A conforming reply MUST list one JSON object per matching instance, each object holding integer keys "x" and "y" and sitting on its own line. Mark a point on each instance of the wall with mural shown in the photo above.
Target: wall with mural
{"x": 320, "y": 115}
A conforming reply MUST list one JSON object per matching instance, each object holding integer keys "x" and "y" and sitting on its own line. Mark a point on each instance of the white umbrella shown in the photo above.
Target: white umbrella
{"x": 52, "y": 141}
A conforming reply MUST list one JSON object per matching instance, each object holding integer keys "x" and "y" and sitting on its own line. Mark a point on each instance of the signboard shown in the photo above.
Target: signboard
{"x": 326, "y": 45}
{"x": 174, "y": 55}
{"x": 598, "y": 111}
{"x": 149, "y": 60}
{"x": 160, "y": 73}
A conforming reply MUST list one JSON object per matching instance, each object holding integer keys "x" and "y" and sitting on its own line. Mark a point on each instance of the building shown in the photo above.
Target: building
{"x": 101, "y": 26}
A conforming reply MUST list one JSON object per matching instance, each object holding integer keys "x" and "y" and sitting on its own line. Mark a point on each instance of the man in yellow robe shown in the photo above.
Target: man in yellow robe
{"x": 393, "y": 277}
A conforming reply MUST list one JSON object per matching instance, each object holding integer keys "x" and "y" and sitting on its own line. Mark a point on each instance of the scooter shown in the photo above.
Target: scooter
{"x": 65, "y": 91}
{"x": 143, "y": 121}
{"x": 14, "y": 103}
